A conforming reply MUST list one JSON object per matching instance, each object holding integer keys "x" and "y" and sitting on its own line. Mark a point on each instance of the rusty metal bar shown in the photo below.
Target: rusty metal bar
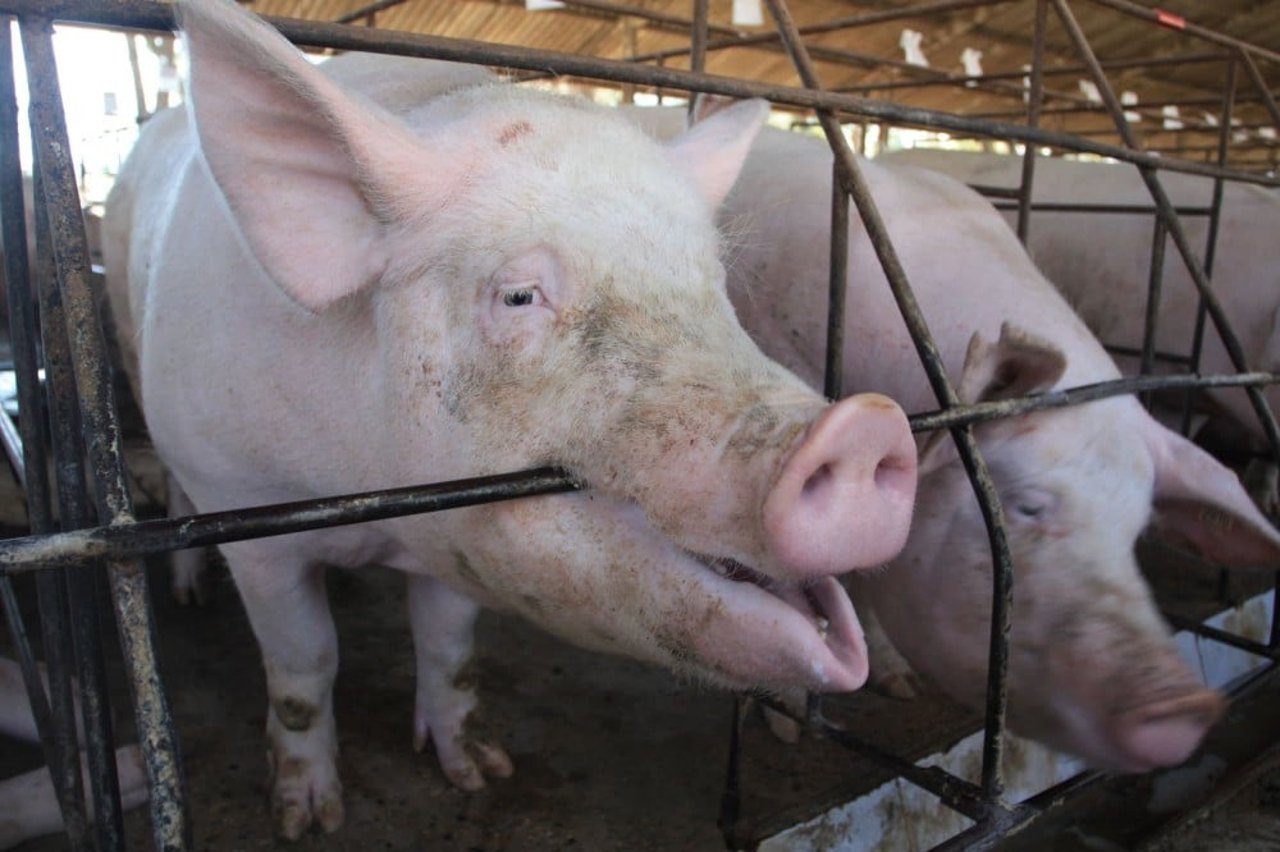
{"x": 731, "y": 798}
{"x": 833, "y": 376}
{"x": 1229, "y": 340}
{"x": 1164, "y": 19}
{"x": 1260, "y": 84}
{"x": 34, "y": 553}
{"x": 1155, "y": 280}
{"x": 1064, "y": 110}
{"x": 123, "y": 540}
{"x": 1062, "y": 71}
{"x": 698, "y": 40}
{"x": 51, "y": 593}
{"x": 1225, "y": 637}
{"x": 1211, "y": 245}
{"x": 74, "y": 511}
{"x": 152, "y": 15}
{"x": 845, "y": 23}
{"x": 1035, "y": 100}
{"x": 979, "y": 477}
{"x": 1068, "y": 207}
{"x": 169, "y": 819}
{"x": 368, "y": 10}
{"x": 983, "y": 411}
{"x": 58, "y": 750}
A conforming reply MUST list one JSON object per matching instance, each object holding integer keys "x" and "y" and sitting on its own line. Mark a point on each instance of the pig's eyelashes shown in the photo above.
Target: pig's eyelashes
{"x": 1031, "y": 505}
{"x": 522, "y": 297}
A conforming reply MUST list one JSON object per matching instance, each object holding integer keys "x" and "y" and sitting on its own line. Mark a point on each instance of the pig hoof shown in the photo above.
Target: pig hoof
{"x": 306, "y": 792}
{"x": 467, "y": 762}
{"x": 784, "y": 727}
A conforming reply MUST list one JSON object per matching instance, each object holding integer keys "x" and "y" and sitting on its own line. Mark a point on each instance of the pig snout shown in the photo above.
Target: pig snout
{"x": 844, "y": 497}
{"x": 1166, "y": 732}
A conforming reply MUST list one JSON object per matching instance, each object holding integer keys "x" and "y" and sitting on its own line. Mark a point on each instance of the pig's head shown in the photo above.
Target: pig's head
{"x": 541, "y": 286}
{"x": 1092, "y": 666}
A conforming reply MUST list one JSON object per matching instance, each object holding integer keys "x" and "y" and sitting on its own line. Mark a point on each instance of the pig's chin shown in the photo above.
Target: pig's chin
{"x": 780, "y": 635}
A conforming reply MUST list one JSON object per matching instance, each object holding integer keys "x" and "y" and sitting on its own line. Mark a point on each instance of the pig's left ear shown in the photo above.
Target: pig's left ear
{"x": 1201, "y": 504}
{"x": 1017, "y": 364}
{"x": 308, "y": 172}
{"x": 712, "y": 152}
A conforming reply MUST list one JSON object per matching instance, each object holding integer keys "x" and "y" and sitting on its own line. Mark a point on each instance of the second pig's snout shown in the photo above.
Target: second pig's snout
{"x": 844, "y": 498}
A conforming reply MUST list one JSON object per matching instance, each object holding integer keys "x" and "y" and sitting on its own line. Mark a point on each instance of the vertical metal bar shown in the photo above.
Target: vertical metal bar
{"x": 1155, "y": 279}
{"x": 931, "y": 360}
{"x": 33, "y": 475}
{"x": 731, "y": 799}
{"x": 169, "y": 820}
{"x": 1268, "y": 100}
{"x": 1211, "y": 243}
{"x": 833, "y": 377}
{"x": 698, "y": 45}
{"x": 59, "y": 649}
{"x": 81, "y": 629}
{"x": 1229, "y": 340}
{"x": 1035, "y": 99}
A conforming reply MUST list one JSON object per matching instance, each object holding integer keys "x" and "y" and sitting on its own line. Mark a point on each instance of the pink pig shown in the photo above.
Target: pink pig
{"x": 328, "y": 292}
{"x": 1092, "y": 667}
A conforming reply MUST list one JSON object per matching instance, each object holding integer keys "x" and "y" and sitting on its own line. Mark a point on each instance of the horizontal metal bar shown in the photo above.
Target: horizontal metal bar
{"x": 30, "y": 553}
{"x": 1154, "y": 16}
{"x": 1225, "y": 637}
{"x": 1134, "y": 352}
{"x": 1120, "y": 209}
{"x": 984, "y": 411}
{"x": 1062, "y": 71}
{"x": 148, "y": 14}
{"x": 958, "y": 794}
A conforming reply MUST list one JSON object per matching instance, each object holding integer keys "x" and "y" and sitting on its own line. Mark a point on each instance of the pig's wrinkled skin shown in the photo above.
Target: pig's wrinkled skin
{"x": 1100, "y": 262}
{"x": 1093, "y": 670}
{"x": 28, "y": 805}
{"x": 326, "y": 295}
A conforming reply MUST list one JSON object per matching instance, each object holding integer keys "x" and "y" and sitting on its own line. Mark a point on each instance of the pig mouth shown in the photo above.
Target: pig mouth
{"x": 837, "y": 645}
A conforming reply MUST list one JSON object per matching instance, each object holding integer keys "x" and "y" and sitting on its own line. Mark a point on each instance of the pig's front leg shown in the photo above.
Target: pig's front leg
{"x": 290, "y": 615}
{"x": 891, "y": 674}
{"x": 444, "y": 708}
{"x": 189, "y": 566}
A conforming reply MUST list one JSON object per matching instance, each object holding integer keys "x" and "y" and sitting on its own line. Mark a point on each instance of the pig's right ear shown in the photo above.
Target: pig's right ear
{"x": 305, "y": 169}
{"x": 712, "y": 152}
{"x": 1017, "y": 364}
{"x": 1200, "y": 503}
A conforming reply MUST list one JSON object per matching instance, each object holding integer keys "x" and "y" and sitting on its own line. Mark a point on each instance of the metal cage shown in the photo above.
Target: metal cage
{"x": 55, "y": 329}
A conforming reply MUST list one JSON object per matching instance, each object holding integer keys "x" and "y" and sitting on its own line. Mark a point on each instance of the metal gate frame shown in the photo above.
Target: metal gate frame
{"x": 56, "y": 329}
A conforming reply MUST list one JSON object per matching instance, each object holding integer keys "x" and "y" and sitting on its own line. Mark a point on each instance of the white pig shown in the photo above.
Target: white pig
{"x": 326, "y": 295}
{"x": 28, "y": 805}
{"x": 1101, "y": 261}
{"x": 1093, "y": 670}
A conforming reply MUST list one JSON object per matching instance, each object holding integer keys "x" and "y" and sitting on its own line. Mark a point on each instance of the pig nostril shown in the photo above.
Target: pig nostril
{"x": 818, "y": 483}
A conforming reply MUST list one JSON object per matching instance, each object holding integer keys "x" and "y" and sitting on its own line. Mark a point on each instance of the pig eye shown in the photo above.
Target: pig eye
{"x": 1031, "y": 505}
{"x": 522, "y": 297}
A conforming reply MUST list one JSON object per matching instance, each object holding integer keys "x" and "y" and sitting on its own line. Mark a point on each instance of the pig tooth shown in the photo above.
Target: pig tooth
{"x": 824, "y": 626}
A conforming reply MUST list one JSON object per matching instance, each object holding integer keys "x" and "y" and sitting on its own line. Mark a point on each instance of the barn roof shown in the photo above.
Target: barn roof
{"x": 869, "y": 59}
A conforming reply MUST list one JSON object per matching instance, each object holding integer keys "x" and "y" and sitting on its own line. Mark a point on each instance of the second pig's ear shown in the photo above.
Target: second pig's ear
{"x": 712, "y": 152}
{"x": 1200, "y": 503}
{"x": 1015, "y": 365}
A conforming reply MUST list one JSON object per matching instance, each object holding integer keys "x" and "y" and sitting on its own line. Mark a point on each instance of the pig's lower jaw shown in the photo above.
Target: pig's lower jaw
{"x": 831, "y": 635}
